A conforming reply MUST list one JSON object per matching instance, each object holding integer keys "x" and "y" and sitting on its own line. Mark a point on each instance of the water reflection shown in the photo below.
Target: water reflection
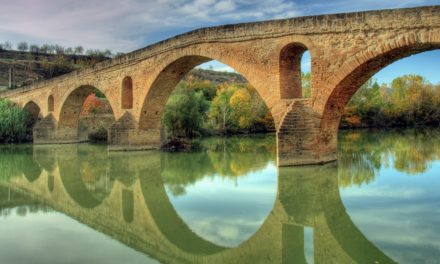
{"x": 124, "y": 196}
{"x": 228, "y": 158}
{"x": 363, "y": 153}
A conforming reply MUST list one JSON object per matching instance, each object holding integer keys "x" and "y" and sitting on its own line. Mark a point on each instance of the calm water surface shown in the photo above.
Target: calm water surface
{"x": 225, "y": 203}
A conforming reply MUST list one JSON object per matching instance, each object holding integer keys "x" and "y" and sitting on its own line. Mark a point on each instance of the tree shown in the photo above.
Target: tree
{"x": 7, "y": 45}
{"x": 69, "y": 51}
{"x": 185, "y": 112}
{"x": 44, "y": 48}
{"x": 13, "y": 122}
{"x": 22, "y": 46}
{"x": 241, "y": 109}
{"x": 220, "y": 108}
{"x": 78, "y": 50}
{"x": 409, "y": 100}
{"x": 59, "y": 49}
{"x": 34, "y": 48}
{"x": 119, "y": 54}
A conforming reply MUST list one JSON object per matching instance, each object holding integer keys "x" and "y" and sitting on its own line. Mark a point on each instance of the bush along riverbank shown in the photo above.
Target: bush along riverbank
{"x": 409, "y": 101}
{"x": 13, "y": 122}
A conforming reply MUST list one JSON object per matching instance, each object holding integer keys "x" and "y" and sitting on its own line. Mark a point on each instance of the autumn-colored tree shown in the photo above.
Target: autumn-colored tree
{"x": 410, "y": 100}
{"x": 220, "y": 111}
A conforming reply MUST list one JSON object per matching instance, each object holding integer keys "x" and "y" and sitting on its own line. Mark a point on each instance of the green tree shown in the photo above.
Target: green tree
{"x": 13, "y": 122}
{"x": 220, "y": 111}
{"x": 306, "y": 84}
{"x": 185, "y": 112}
{"x": 22, "y": 46}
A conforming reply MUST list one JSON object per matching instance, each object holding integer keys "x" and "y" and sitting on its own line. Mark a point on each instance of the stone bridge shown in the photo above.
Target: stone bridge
{"x": 346, "y": 50}
{"x": 138, "y": 212}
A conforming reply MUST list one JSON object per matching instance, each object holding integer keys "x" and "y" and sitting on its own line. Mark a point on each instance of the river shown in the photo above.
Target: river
{"x": 226, "y": 202}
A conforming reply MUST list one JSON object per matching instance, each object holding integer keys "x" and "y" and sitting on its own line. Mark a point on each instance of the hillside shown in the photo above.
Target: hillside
{"x": 217, "y": 77}
{"x": 30, "y": 67}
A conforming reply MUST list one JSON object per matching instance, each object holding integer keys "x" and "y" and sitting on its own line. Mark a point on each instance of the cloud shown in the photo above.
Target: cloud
{"x": 125, "y": 25}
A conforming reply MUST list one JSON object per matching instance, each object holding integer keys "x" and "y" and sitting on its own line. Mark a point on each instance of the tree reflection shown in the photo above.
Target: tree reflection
{"x": 363, "y": 153}
{"x": 228, "y": 158}
{"x": 18, "y": 160}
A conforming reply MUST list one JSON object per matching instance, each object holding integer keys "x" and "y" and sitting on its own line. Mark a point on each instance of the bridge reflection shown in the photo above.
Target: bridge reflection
{"x": 125, "y": 198}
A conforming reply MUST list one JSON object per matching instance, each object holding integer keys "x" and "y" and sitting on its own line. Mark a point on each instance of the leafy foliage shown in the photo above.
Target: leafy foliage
{"x": 199, "y": 107}
{"x": 13, "y": 122}
{"x": 185, "y": 111}
{"x": 409, "y": 101}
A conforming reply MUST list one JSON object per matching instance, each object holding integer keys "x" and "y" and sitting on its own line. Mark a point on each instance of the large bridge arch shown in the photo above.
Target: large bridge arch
{"x": 361, "y": 67}
{"x": 166, "y": 77}
{"x": 163, "y": 85}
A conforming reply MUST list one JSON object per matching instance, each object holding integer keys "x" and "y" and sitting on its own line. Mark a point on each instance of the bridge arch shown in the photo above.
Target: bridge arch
{"x": 34, "y": 111}
{"x": 361, "y": 67}
{"x": 172, "y": 73}
{"x": 71, "y": 107}
{"x": 34, "y": 115}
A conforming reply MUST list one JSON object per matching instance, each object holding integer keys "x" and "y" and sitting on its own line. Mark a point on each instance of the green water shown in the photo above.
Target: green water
{"x": 225, "y": 203}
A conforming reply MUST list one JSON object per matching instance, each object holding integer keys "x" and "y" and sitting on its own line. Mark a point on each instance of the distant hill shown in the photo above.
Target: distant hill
{"x": 217, "y": 77}
{"x": 31, "y": 67}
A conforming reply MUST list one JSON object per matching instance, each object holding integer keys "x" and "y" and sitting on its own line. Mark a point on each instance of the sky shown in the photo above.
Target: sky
{"x": 126, "y": 25}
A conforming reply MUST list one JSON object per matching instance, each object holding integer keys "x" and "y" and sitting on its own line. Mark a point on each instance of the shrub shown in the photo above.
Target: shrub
{"x": 13, "y": 121}
{"x": 100, "y": 135}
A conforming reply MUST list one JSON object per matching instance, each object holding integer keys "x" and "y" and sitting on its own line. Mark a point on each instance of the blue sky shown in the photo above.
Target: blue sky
{"x": 126, "y": 25}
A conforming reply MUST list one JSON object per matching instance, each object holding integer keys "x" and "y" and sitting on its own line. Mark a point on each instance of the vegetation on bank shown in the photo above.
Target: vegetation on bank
{"x": 13, "y": 122}
{"x": 409, "y": 101}
{"x": 199, "y": 107}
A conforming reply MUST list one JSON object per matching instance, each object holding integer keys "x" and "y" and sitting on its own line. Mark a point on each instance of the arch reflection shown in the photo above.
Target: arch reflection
{"x": 136, "y": 209}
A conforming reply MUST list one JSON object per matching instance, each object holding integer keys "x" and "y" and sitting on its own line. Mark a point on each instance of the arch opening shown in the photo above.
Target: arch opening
{"x": 86, "y": 115}
{"x": 127, "y": 93}
{"x": 295, "y": 71}
{"x": 192, "y": 98}
{"x": 50, "y": 104}
{"x": 34, "y": 115}
{"x": 359, "y": 87}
